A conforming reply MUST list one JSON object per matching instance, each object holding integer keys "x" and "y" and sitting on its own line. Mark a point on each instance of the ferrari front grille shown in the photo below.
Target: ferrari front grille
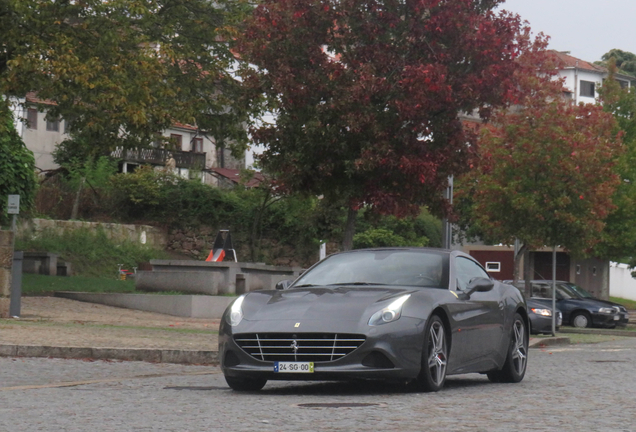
{"x": 310, "y": 347}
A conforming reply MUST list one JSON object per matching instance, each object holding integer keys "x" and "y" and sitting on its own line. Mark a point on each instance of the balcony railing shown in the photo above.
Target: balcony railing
{"x": 159, "y": 156}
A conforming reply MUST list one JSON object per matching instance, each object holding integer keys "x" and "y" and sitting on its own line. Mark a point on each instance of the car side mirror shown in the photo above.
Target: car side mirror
{"x": 283, "y": 285}
{"x": 479, "y": 284}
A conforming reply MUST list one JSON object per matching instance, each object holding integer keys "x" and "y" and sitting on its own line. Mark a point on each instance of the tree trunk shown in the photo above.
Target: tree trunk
{"x": 527, "y": 273}
{"x": 350, "y": 229}
{"x": 515, "y": 271}
{"x": 75, "y": 209}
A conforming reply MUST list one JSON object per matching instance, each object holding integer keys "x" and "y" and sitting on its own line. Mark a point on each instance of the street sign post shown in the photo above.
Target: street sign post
{"x": 13, "y": 208}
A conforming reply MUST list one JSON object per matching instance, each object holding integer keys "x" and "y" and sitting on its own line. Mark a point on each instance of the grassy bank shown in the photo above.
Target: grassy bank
{"x": 629, "y": 304}
{"x": 33, "y": 284}
{"x": 91, "y": 252}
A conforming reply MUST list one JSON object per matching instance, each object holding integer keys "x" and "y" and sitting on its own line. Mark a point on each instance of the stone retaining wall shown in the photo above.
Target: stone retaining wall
{"x": 143, "y": 234}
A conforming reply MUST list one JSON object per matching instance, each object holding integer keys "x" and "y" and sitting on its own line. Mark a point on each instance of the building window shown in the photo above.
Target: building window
{"x": 593, "y": 271}
{"x": 493, "y": 266}
{"x": 197, "y": 145}
{"x": 32, "y": 118}
{"x": 578, "y": 269}
{"x": 177, "y": 140}
{"x": 587, "y": 89}
{"x": 53, "y": 125}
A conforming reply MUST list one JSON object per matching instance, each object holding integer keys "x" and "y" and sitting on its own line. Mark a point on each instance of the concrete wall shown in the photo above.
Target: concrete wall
{"x": 195, "y": 282}
{"x": 193, "y": 306}
{"x": 212, "y": 277}
{"x": 143, "y": 234}
{"x": 593, "y": 275}
{"x": 621, "y": 282}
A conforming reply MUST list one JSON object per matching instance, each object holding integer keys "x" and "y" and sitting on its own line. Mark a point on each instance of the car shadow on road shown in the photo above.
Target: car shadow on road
{"x": 340, "y": 388}
{"x": 354, "y": 388}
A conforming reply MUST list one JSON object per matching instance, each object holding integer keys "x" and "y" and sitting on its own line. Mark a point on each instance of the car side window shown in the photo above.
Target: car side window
{"x": 466, "y": 271}
{"x": 541, "y": 291}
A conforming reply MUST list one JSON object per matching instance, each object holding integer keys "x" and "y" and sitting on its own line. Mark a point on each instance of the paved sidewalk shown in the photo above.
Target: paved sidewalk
{"x": 62, "y": 328}
{"x": 55, "y": 327}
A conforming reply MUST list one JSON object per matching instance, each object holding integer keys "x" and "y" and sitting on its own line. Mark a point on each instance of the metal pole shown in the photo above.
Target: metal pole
{"x": 15, "y": 302}
{"x": 553, "y": 290}
{"x": 447, "y": 230}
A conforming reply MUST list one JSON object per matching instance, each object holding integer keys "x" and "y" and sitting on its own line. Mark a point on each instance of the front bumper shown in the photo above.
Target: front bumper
{"x": 543, "y": 324}
{"x": 623, "y": 319}
{"x": 608, "y": 320}
{"x": 390, "y": 351}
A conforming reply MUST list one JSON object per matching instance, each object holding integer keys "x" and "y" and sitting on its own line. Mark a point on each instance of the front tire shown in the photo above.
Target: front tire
{"x": 245, "y": 384}
{"x": 581, "y": 320}
{"x": 434, "y": 356}
{"x": 514, "y": 369}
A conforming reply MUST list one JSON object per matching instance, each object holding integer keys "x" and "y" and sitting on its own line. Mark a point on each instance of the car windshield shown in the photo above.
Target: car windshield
{"x": 380, "y": 267}
{"x": 580, "y": 292}
{"x": 565, "y": 292}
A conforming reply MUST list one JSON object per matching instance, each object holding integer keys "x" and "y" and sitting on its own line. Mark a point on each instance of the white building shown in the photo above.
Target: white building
{"x": 583, "y": 79}
{"x": 194, "y": 154}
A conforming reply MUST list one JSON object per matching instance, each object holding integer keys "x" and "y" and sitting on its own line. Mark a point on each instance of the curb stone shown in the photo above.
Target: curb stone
{"x": 543, "y": 342}
{"x": 126, "y": 354}
{"x": 605, "y": 332}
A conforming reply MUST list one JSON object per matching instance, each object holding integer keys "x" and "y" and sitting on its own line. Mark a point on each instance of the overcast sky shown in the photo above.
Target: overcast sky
{"x": 586, "y": 28}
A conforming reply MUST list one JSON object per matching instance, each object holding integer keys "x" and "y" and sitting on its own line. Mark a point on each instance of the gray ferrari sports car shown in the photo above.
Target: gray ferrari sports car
{"x": 412, "y": 315}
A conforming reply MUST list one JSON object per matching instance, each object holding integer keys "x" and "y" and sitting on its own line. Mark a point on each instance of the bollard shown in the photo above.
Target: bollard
{"x": 16, "y": 285}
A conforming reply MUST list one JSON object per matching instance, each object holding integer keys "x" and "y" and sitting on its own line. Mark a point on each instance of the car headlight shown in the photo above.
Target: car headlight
{"x": 390, "y": 313}
{"x": 236, "y": 312}
{"x": 542, "y": 312}
{"x": 606, "y": 310}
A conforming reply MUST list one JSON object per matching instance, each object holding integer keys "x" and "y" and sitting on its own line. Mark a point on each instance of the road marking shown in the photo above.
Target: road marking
{"x": 99, "y": 381}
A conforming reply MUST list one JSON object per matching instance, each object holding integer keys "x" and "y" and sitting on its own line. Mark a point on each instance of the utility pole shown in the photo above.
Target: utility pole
{"x": 447, "y": 229}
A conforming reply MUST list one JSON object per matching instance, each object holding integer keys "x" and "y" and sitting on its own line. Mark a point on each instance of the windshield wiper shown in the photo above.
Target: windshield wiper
{"x": 304, "y": 286}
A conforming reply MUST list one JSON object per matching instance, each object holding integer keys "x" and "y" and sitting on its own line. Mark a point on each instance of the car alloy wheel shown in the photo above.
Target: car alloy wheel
{"x": 434, "y": 357}
{"x": 520, "y": 349}
{"x": 514, "y": 368}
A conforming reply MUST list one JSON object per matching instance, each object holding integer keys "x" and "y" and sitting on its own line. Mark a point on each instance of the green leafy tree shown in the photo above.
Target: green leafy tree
{"x": 17, "y": 166}
{"x": 367, "y": 94}
{"x": 625, "y": 61}
{"x": 121, "y": 71}
{"x": 619, "y": 235}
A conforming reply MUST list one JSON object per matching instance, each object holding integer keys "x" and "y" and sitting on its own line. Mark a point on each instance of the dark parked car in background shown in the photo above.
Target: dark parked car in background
{"x": 579, "y": 307}
{"x": 541, "y": 317}
{"x": 396, "y": 314}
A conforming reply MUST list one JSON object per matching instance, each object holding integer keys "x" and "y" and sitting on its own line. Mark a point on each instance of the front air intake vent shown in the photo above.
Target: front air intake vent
{"x": 313, "y": 347}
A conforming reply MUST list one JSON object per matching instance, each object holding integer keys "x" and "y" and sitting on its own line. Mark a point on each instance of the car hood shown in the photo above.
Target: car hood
{"x": 317, "y": 303}
{"x": 585, "y": 302}
{"x": 606, "y": 303}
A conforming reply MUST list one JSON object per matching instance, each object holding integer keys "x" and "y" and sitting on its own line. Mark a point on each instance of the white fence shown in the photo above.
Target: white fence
{"x": 622, "y": 284}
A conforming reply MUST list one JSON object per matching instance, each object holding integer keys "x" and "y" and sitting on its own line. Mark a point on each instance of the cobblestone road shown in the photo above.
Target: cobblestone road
{"x": 572, "y": 388}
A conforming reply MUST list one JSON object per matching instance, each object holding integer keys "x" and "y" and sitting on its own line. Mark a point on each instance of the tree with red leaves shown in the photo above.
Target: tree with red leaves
{"x": 367, "y": 95}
